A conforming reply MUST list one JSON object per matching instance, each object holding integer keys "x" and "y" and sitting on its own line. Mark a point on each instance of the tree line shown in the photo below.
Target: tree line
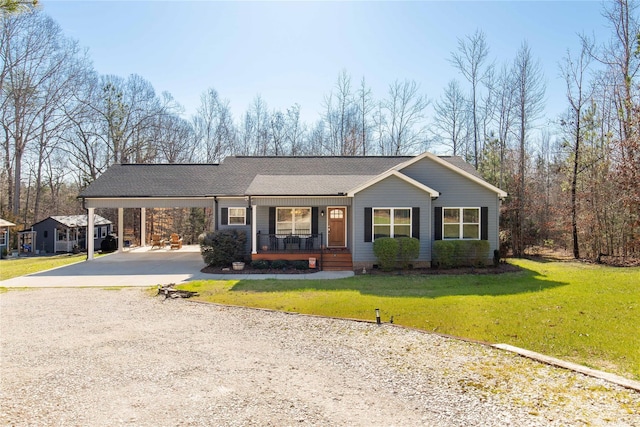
{"x": 572, "y": 181}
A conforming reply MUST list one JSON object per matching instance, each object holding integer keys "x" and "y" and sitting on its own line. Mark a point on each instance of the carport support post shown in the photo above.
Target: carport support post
{"x": 90, "y": 228}
{"x": 254, "y": 235}
{"x": 120, "y": 229}
{"x": 143, "y": 227}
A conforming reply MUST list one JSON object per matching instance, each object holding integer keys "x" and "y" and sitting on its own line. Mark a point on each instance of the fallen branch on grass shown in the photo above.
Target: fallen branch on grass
{"x": 169, "y": 292}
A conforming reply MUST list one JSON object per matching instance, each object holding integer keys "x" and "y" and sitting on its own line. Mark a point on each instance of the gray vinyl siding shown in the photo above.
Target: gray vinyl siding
{"x": 457, "y": 191}
{"x": 392, "y": 192}
{"x": 236, "y": 202}
{"x": 50, "y": 225}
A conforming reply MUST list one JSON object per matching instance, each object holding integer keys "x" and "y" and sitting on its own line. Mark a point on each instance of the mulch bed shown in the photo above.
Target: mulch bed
{"x": 230, "y": 271}
{"x": 502, "y": 268}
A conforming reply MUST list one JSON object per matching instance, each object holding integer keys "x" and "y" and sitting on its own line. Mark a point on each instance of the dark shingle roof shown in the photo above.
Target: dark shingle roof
{"x": 166, "y": 180}
{"x": 241, "y": 175}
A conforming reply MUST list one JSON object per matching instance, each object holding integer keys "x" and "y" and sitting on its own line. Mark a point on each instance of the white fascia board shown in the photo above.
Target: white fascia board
{"x": 502, "y": 194}
{"x": 387, "y": 174}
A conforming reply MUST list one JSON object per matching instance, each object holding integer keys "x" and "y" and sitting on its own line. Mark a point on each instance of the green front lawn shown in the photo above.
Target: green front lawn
{"x": 584, "y": 313}
{"x": 10, "y": 268}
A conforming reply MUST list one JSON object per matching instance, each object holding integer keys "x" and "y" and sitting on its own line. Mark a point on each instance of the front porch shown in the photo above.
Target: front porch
{"x": 302, "y": 247}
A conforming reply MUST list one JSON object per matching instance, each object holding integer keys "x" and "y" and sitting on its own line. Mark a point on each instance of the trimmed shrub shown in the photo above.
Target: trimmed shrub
{"x": 260, "y": 264}
{"x": 300, "y": 265}
{"x": 221, "y": 248}
{"x": 386, "y": 250}
{"x": 279, "y": 264}
{"x": 460, "y": 253}
{"x": 408, "y": 250}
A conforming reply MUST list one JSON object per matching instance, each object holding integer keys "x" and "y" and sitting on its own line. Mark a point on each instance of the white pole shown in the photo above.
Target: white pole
{"x": 143, "y": 227}
{"x": 254, "y": 227}
{"x": 120, "y": 229}
{"x": 90, "y": 231}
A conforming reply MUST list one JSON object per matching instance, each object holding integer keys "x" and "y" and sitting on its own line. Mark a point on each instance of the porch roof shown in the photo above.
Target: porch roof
{"x": 5, "y": 223}
{"x": 305, "y": 185}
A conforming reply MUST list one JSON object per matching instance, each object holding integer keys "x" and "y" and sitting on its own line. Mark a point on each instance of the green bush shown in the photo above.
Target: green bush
{"x": 386, "y": 250}
{"x": 300, "y": 265}
{"x": 221, "y": 248}
{"x": 260, "y": 264}
{"x": 408, "y": 250}
{"x": 279, "y": 264}
{"x": 460, "y": 253}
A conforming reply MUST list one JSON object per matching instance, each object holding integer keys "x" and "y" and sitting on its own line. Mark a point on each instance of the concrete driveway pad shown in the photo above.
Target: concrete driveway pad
{"x": 131, "y": 268}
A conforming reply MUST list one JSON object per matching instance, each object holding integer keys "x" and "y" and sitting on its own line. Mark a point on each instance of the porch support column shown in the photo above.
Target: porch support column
{"x": 254, "y": 227}
{"x": 90, "y": 231}
{"x": 120, "y": 229}
{"x": 143, "y": 227}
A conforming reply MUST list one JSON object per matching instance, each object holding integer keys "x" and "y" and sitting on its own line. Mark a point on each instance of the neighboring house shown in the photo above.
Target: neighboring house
{"x": 331, "y": 207}
{"x": 63, "y": 233}
{"x": 4, "y": 235}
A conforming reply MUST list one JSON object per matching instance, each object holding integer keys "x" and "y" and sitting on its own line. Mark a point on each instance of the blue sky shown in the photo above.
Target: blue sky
{"x": 292, "y": 52}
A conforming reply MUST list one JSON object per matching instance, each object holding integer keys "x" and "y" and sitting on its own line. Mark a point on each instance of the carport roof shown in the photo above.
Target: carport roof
{"x": 157, "y": 180}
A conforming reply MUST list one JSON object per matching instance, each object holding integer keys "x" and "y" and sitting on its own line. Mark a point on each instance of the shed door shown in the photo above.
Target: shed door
{"x": 336, "y": 226}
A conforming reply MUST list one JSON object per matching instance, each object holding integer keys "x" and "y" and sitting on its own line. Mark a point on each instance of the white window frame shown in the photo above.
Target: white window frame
{"x": 95, "y": 232}
{"x": 103, "y": 232}
{"x": 461, "y": 223}
{"x": 293, "y": 220}
{"x": 392, "y": 224}
{"x": 3, "y": 238}
{"x": 243, "y": 216}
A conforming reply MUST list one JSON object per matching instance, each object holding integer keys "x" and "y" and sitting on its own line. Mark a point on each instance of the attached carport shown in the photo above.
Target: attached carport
{"x": 149, "y": 186}
{"x": 142, "y": 204}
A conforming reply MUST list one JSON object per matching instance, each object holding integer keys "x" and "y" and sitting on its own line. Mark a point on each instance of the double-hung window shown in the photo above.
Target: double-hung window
{"x": 461, "y": 223}
{"x": 3, "y": 238}
{"x": 237, "y": 216}
{"x": 293, "y": 221}
{"x": 391, "y": 222}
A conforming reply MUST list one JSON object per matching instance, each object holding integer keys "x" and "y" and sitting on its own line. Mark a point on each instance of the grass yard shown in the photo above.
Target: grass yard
{"x": 588, "y": 314}
{"x": 10, "y": 268}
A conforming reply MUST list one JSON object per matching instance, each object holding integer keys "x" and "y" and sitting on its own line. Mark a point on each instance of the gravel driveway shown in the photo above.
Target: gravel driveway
{"x": 94, "y": 357}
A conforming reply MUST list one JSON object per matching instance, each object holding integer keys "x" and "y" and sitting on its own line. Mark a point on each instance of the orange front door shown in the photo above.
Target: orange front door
{"x": 336, "y": 226}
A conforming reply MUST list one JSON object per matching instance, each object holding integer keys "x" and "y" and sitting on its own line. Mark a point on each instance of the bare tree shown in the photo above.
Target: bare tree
{"x": 529, "y": 104}
{"x": 470, "y": 60}
{"x": 341, "y": 118}
{"x": 578, "y": 96}
{"x": 35, "y": 58}
{"x": 450, "y": 117}
{"x": 405, "y": 110}
{"x": 295, "y": 132}
{"x": 365, "y": 108}
{"x": 214, "y": 127}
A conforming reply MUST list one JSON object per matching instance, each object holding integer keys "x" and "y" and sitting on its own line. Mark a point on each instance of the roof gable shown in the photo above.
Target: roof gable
{"x": 393, "y": 172}
{"x": 466, "y": 171}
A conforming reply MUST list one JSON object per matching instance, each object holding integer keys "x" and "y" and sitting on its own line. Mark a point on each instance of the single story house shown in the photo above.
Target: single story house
{"x": 4, "y": 235}
{"x": 328, "y": 206}
{"x": 63, "y": 233}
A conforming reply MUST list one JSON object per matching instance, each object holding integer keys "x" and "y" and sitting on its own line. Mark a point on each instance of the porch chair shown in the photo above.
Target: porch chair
{"x": 176, "y": 241}
{"x": 157, "y": 241}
